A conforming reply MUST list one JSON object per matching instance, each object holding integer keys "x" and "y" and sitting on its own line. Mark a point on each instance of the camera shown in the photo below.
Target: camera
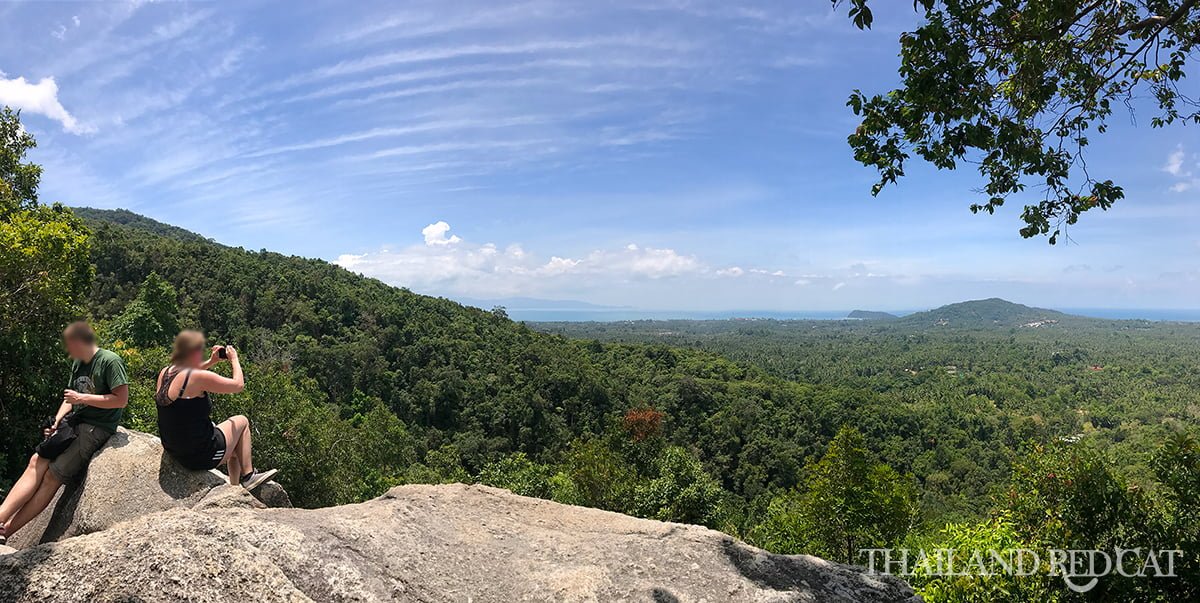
{"x": 222, "y": 353}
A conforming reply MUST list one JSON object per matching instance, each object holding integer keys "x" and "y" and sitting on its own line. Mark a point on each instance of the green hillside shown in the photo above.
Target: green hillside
{"x": 870, "y": 315}
{"x": 983, "y": 313}
{"x": 138, "y": 221}
{"x": 470, "y": 387}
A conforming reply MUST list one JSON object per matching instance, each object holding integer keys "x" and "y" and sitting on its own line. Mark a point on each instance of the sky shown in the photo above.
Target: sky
{"x": 661, "y": 154}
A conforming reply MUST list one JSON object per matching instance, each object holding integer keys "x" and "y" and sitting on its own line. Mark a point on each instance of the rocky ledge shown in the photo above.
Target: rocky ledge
{"x": 178, "y": 536}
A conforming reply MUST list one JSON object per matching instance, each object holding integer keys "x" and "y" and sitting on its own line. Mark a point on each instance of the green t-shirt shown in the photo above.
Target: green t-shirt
{"x": 104, "y": 373}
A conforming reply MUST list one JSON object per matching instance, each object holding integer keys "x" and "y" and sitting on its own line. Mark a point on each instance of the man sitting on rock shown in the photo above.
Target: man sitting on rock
{"x": 96, "y": 397}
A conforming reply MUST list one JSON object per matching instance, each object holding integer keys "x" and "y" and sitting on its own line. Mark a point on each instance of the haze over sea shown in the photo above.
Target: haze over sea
{"x": 624, "y": 314}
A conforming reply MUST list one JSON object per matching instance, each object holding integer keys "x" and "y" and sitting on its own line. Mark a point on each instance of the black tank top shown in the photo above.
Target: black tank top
{"x": 184, "y": 424}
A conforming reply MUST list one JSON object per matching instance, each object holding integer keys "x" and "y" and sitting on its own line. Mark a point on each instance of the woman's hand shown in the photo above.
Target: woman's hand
{"x": 214, "y": 358}
{"x": 231, "y": 353}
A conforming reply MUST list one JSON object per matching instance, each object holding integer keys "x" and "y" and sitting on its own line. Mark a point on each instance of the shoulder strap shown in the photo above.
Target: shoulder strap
{"x": 186, "y": 377}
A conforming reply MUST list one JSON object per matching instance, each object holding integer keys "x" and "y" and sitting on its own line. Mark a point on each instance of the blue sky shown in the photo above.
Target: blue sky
{"x": 672, "y": 154}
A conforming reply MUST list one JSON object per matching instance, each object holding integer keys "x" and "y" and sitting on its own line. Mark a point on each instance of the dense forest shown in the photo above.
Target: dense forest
{"x": 954, "y": 393}
{"x": 967, "y": 426}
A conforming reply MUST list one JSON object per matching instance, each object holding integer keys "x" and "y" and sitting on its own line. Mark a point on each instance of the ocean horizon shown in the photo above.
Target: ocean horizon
{"x": 631, "y": 314}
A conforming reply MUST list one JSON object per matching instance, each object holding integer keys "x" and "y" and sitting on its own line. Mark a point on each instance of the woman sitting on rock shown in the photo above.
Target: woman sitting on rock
{"x": 184, "y": 412}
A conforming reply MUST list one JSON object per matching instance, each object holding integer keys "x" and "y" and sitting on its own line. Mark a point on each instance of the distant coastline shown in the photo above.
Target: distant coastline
{"x": 625, "y": 314}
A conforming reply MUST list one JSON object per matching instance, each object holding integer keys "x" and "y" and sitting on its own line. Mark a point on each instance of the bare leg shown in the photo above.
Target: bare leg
{"x": 25, "y": 487}
{"x": 45, "y": 493}
{"x": 237, "y": 447}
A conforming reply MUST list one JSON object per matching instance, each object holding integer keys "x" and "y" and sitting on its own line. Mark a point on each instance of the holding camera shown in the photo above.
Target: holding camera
{"x": 185, "y": 422}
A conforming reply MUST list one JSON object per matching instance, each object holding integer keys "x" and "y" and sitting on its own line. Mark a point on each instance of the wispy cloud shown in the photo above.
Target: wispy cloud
{"x": 708, "y": 133}
{"x": 1180, "y": 166}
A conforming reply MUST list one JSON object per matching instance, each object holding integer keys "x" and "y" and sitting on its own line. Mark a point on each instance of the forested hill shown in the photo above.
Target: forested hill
{"x": 870, "y": 315}
{"x": 983, "y": 313}
{"x": 138, "y": 221}
{"x": 471, "y": 389}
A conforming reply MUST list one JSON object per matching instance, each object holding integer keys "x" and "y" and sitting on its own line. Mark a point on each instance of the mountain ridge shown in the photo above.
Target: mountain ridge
{"x": 992, "y": 311}
{"x": 124, "y": 217}
{"x": 871, "y": 315}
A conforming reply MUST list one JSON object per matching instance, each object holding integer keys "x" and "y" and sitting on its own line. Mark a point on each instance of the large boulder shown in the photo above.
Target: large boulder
{"x": 421, "y": 543}
{"x": 129, "y": 477}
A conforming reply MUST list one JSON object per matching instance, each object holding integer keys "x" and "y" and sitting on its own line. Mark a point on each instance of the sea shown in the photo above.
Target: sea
{"x": 628, "y": 314}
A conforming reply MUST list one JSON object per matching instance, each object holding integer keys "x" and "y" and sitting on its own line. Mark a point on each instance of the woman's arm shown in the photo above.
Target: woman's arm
{"x": 214, "y": 357}
{"x": 214, "y": 383}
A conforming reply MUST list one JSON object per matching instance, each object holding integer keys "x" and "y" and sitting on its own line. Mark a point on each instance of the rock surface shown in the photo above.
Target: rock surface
{"x": 420, "y": 543}
{"x": 129, "y": 477}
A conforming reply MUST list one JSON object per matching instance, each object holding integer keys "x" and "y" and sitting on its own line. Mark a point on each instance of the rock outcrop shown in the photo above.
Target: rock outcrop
{"x": 184, "y": 537}
{"x": 129, "y": 477}
{"x": 422, "y": 543}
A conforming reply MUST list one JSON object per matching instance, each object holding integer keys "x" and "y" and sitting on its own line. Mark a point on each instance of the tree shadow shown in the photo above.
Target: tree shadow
{"x": 789, "y": 573}
{"x": 776, "y": 572}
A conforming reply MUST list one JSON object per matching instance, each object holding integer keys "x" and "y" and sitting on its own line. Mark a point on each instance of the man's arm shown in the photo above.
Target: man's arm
{"x": 63, "y": 409}
{"x": 117, "y": 399}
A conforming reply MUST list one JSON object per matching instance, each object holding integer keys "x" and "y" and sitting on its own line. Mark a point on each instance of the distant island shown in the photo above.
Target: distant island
{"x": 870, "y": 315}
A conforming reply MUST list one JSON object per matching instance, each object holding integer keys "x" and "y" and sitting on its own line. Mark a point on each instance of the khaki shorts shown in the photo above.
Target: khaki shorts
{"x": 71, "y": 463}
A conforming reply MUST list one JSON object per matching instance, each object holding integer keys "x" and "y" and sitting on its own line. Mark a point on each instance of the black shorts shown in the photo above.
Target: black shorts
{"x": 204, "y": 457}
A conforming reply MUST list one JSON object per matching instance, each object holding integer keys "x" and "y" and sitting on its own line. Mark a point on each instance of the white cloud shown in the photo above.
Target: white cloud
{"x": 40, "y": 98}
{"x": 449, "y": 265}
{"x": 647, "y": 262}
{"x": 1177, "y": 166}
{"x": 435, "y": 234}
{"x": 1174, "y": 164}
{"x": 558, "y": 265}
{"x": 731, "y": 271}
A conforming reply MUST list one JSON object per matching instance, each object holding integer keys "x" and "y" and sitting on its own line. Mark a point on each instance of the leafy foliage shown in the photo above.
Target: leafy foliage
{"x": 1017, "y": 87}
{"x": 995, "y": 534}
{"x": 847, "y": 503}
{"x": 44, "y": 274}
{"x": 150, "y": 319}
{"x": 1070, "y": 497}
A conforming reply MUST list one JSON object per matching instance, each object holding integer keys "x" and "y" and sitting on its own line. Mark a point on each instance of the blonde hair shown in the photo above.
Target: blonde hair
{"x": 187, "y": 343}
